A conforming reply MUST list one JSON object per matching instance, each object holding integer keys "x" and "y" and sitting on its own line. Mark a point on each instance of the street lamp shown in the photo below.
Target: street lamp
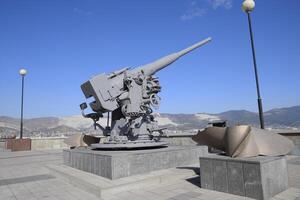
{"x": 22, "y": 72}
{"x": 248, "y": 6}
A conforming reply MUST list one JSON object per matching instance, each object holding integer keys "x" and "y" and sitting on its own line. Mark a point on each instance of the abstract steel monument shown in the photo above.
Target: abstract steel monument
{"x": 130, "y": 95}
{"x": 244, "y": 141}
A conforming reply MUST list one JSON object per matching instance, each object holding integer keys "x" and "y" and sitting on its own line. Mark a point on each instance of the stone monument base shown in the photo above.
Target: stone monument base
{"x": 18, "y": 144}
{"x": 259, "y": 177}
{"x": 105, "y": 188}
{"x": 118, "y": 164}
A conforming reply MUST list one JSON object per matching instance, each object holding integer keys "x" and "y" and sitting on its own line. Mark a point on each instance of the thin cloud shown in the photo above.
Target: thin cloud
{"x": 82, "y": 12}
{"x": 193, "y": 10}
{"x": 227, "y": 4}
{"x": 201, "y": 7}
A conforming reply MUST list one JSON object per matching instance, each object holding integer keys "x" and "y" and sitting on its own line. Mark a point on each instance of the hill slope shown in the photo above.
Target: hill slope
{"x": 283, "y": 118}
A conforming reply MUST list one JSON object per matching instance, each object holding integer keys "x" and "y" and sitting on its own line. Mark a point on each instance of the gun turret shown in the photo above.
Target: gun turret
{"x": 106, "y": 89}
{"x": 152, "y": 68}
{"x": 131, "y": 96}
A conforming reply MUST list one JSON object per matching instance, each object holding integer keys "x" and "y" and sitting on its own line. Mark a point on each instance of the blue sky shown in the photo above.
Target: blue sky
{"x": 62, "y": 43}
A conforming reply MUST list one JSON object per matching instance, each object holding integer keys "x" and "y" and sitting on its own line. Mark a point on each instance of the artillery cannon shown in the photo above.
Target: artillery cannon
{"x": 130, "y": 96}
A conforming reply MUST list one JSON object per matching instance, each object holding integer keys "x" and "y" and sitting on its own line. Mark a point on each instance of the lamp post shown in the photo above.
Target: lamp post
{"x": 22, "y": 72}
{"x": 248, "y": 6}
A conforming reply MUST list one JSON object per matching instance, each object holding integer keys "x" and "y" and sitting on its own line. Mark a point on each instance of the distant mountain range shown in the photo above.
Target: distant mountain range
{"x": 279, "y": 118}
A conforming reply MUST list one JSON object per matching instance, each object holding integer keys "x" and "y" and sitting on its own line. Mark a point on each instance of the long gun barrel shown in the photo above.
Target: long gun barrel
{"x": 152, "y": 68}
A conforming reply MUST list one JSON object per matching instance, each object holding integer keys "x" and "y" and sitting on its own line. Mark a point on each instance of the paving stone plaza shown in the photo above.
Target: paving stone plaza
{"x": 28, "y": 175}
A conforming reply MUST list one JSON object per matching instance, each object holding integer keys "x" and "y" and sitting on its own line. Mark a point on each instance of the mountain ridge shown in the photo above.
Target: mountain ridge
{"x": 278, "y": 118}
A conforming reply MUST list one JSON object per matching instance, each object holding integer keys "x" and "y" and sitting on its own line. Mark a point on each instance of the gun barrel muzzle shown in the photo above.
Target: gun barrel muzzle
{"x": 152, "y": 68}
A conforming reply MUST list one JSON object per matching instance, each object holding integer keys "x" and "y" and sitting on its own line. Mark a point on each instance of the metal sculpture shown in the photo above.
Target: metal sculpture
{"x": 130, "y": 96}
{"x": 244, "y": 141}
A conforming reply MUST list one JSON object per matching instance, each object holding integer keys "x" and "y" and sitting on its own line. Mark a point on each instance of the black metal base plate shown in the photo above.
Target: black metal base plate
{"x": 128, "y": 145}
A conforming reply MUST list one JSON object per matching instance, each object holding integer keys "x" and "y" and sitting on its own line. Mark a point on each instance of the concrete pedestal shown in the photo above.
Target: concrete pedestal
{"x": 259, "y": 177}
{"x": 118, "y": 164}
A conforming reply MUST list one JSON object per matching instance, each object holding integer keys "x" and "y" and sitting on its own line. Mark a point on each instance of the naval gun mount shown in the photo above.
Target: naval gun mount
{"x": 130, "y": 96}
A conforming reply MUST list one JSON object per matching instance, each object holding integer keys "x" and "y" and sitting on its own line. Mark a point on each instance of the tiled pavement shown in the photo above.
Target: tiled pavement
{"x": 23, "y": 176}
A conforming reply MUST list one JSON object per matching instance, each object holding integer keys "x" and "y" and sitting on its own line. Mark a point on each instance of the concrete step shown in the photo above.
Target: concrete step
{"x": 4, "y": 150}
{"x": 103, "y": 187}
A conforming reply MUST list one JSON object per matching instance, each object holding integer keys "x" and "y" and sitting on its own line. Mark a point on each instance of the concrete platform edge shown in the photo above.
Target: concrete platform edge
{"x": 102, "y": 187}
